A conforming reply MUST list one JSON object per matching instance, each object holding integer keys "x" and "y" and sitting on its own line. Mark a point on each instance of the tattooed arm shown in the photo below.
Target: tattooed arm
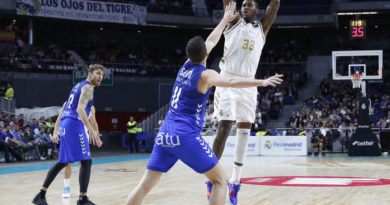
{"x": 270, "y": 16}
{"x": 85, "y": 97}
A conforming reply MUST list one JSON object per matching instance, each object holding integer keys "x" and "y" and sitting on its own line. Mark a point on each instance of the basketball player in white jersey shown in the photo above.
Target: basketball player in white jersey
{"x": 244, "y": 41}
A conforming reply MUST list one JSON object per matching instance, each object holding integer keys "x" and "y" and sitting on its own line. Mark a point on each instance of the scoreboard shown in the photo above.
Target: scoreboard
{"x": 357, "y": 29}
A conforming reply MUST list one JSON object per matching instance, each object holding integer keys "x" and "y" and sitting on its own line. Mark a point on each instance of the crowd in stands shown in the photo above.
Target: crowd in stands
{"x": 270, "y": 101}
{"x": 335, "y": 110}
{"x": 155, "y": 61}
{"x": 26, "y": 140}
{"x": 144, "y": 61}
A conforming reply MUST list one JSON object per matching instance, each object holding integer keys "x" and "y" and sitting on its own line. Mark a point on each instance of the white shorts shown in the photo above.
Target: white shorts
{"x": 235, "y": 104}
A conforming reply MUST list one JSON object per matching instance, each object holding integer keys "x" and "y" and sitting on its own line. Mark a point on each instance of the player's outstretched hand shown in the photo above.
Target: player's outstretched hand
{"x": 56, "y": 137}
{"x": 273, "y": 81}
{"x": 230, "y": 12}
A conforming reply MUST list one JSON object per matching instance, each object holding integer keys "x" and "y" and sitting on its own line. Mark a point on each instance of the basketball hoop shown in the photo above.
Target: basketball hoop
{"x": 356, "y": 80}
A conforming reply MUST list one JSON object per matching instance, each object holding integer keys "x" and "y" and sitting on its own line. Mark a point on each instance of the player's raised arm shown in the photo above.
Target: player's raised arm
{"x": 270, "y": 15}
{"x": 215, "y": 35}
{"x": 85, "y": 97}
{"x": 212, "y": 78}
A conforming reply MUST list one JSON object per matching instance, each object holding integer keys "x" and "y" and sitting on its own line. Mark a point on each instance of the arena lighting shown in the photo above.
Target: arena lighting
{"x": 357, "y": 13}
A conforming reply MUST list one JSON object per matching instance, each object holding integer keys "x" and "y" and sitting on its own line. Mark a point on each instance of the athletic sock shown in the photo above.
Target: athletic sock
{"x": 239, "y": 153}
{"x": 236, "y": 174}
{"x": 66, "y": 182}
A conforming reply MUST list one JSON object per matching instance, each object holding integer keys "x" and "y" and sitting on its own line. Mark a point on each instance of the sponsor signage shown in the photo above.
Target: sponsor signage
{"x": 283, "y": 145}
{"x": 315, "y": 181}
{"x": 84, "y": 10}
{"x": 253, "y": 145}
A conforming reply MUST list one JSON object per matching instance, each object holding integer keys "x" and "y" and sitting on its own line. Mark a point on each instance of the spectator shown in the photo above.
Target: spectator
{"x": 39, "y": 128}
{"x": 43, "y": 139}
{"x": 161, "y": 121}
{"x": 49, "y": 123}
{"x": 20, "y": 120}
{"x": 8, "y": 144}
{"x": 302, "y": 131}
{"x": 28, "y": 143}
{"x": 33, "y": 124}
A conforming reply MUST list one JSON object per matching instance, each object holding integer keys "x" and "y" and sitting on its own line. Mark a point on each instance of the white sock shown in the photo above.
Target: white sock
{"x": 66, "y": 182}
{"x": 239, "y": 153}
{"x": 236, "y": 174}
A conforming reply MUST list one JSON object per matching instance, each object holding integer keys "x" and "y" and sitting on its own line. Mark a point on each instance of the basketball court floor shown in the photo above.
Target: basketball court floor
{"x": 272, "y": 180}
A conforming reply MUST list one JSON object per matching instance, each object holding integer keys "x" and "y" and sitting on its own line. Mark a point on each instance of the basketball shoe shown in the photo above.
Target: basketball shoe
{"x": 84, "y": 201}
{"x": 233, "y": 191}
{"x": 39, "y": 200}
{"x": 66, "y": 193}
{"x": 209, "y": 187}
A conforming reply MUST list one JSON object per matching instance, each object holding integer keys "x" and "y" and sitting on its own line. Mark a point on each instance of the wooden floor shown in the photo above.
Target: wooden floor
{"x": 111, "y": 182}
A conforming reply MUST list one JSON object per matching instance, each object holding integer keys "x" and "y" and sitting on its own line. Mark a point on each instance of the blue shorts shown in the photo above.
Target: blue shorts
{"x": 192, "y": 150}
{"x": 74, "y": 144}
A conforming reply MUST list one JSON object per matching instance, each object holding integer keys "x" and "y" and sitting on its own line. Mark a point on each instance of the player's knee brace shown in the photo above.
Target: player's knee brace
{"x": 241, "y": 145}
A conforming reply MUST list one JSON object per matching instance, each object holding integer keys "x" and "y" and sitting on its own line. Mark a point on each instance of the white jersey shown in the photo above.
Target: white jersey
{"x": 243, "y": 45}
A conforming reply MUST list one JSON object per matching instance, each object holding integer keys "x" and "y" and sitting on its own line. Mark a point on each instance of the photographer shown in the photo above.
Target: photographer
{"x": 317, "y": 140}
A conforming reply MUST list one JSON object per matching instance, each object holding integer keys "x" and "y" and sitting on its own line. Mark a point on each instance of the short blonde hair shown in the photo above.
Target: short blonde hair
{"x": 94, "y": 67}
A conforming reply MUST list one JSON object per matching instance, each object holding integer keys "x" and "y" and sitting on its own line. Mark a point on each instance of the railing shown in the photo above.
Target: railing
{"x": 7, "y": 106}
{"x": 309, "y": 131}
{"x": 48, "y": 65}
{"x": 150, "y": 124}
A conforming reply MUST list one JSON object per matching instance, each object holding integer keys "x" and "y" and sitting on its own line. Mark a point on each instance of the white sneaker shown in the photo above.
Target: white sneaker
{"x": 42, "y": 158}
{"x": 66, "y": 193}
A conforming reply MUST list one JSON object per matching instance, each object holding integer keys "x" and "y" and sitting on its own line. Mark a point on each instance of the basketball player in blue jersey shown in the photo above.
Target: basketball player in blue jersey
{"x": 245, "y": 37}
{"x": 179, "y": 136}
{"x": 68, "y": 168}
{"x": 74, "y": 128}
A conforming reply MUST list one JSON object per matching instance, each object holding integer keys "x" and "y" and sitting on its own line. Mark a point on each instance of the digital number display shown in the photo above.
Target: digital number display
{"x": 356, "y": 23}
{"x": 358, "y": 29}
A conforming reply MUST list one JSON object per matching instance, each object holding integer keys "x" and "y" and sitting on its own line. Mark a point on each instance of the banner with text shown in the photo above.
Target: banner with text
{"x": 283, "y": 145}
{"x": 253, "y": 145}
{"x": 84, "y": 10}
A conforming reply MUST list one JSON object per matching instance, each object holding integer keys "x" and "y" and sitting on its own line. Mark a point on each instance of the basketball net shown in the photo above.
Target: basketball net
{"x": 356, "y": 80}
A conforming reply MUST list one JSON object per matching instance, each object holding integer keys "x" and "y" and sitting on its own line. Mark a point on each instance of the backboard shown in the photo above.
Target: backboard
{"x": 366, "y": 62}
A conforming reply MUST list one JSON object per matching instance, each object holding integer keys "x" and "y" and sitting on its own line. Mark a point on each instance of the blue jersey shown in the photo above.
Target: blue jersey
{"x": 70, "y": 109}
{"x": 187, "y": 106}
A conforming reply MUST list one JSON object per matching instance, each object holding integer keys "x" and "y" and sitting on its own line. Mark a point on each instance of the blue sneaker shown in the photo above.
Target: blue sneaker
{"x": 66, "y": 193}
{"x": 233, "y": 190}
{"x": 209, "y": 187}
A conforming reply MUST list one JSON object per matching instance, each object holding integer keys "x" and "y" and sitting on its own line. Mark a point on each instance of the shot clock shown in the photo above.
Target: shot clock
{"x": 358, "y": 29}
